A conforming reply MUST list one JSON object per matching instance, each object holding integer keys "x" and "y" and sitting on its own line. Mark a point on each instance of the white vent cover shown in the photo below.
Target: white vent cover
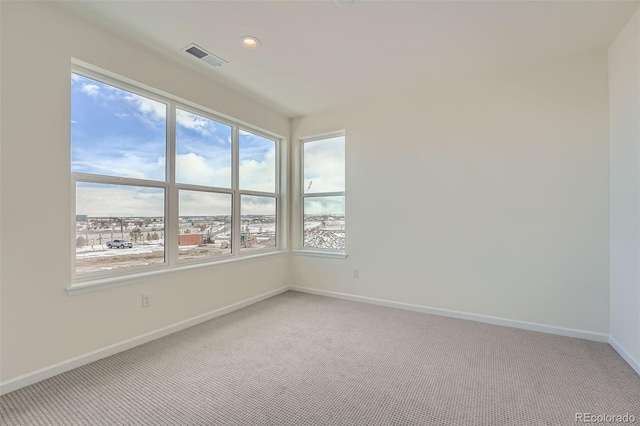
{"x": 201, "y": 54}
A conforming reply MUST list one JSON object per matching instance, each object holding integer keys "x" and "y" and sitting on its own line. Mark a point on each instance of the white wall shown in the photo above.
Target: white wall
{"x": 624, "y": 85}
{"x": 41, "y": 324}
{"x": 487, "y": 196}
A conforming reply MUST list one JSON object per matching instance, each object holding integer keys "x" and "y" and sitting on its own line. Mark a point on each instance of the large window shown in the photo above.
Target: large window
{"x": 159, "y": 184}
{"x": 324, "y": 193}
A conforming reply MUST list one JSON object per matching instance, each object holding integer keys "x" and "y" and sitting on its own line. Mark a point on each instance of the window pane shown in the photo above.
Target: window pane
{"x": 115, "y": 132}
{"x": 205, "y": 225}
{"x": 257, "y": 163}
{"x": 324, "y": 165}
{"x": 257, "y": 222}
{"x": 118, "y": 226}
{"x": 324, "y": 222}
{"x": 203, "y": 151}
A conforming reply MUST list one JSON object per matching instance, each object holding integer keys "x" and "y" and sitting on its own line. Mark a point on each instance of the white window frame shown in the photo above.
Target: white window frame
{"x": 318, "y": 251}
{"x": 171, "y": 189}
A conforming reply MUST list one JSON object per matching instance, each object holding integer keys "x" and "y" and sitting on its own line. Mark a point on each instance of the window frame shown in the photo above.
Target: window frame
{"x": 319, "y": 251}
{"x": 172, "y": 188}
{"x": 251, "y": 192}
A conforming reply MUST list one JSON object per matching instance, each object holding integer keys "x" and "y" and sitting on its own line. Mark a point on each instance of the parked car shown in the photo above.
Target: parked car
{"x": 119, "y": 244}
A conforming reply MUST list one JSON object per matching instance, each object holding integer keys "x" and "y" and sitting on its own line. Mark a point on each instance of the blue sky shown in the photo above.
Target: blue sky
{"x": 118, "y": 133}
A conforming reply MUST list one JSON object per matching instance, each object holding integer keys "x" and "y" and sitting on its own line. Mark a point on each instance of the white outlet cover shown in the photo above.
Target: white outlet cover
{"x": 146, "y": 300}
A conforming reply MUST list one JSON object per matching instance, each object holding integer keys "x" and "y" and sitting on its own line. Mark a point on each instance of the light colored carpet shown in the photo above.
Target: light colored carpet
{"x": 299, "y": 359}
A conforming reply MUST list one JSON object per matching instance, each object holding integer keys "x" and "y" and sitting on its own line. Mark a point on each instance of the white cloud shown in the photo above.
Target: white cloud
{"x": 324, "y": 205}
{"x": 121, "y": 114}
{"x": 194, "y": 169}
{"x": 252, "y": 205}
{"x": 190, "y": 121}
{"x": 148, "y": 107}
{"x": 257, "y": 162}
{"x": 126, "y": 165}
{"x": 119, "y": 201}
{"x": 194, "y": 203}
{"x": 259, "y": 175}
{"x": 89, "y": 89}
{"x": 324, "y": 166}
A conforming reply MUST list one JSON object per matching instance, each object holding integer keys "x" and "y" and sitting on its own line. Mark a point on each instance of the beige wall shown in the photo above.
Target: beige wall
{"x": 41, "y": 324}
{"x": 624, "y": 83}
{"x": 487, "y": 196}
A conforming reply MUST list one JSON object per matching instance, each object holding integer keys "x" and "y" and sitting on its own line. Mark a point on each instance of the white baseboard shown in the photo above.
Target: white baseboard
{"x": 524, "y": 325}
{"x": 625, "y": 355}
{"x": 70, "y": 364}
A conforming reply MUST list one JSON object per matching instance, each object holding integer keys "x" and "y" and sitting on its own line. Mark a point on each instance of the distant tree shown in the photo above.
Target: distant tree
{"x": 135, "y": 234}
{"x": 208, "y": 236}
{"x": 121, "y": 222}
{"x": 81, "y": 242}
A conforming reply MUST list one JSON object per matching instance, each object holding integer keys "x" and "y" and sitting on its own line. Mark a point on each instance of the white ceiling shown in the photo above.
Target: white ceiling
{"x": 316, "y": 56}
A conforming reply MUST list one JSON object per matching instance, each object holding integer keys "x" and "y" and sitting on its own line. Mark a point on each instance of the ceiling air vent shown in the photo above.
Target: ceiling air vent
{"x": 201, "y": 54}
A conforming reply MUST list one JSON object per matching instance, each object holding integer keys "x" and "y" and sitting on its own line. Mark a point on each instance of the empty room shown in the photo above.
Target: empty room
{"x": 329, "y": 212}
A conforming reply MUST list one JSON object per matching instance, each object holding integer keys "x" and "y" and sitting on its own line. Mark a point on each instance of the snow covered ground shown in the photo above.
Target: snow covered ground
{"x": 325, "y": 232}
{"x": 92, "y": 254}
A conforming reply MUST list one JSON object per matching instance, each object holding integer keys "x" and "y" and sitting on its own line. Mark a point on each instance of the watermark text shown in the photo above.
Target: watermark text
{"x": 604, "y": 418}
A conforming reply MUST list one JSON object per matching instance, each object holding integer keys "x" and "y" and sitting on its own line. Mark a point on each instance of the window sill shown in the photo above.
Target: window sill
{"x": 319, "y": 253}
{"x": 83, "y": 287}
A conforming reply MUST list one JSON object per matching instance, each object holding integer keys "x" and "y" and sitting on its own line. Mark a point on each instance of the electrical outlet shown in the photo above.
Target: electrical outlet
{"x": 356, "y": 273}
{"x": 146, "y": 300}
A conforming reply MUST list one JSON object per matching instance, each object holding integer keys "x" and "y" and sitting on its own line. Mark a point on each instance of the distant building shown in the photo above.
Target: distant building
{"x": 189, "y": 239}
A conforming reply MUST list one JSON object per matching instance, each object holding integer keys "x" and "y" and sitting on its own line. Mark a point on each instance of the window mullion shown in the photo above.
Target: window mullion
{"x": 258, "y": 193}
{"x": 235, "y": 184}
{"x": 325, "y": 194}
{"x": 201, "y": 188}
{"x": 73, "y": 225}
{"x": 172, "y": 207}
{"x": 116, "y": 180}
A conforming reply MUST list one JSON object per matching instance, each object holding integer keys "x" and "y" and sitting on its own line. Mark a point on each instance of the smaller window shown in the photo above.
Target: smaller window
{"x": 257, "y": 222}
{"x": 324, "y": 193}
{"x": 118, "y": 227}
{"x": 204, "y": 225}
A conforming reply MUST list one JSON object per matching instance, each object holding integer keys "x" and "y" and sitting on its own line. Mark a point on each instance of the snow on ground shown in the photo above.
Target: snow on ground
{"x": 104, "y": 251}
{"x": 319, "y": 238}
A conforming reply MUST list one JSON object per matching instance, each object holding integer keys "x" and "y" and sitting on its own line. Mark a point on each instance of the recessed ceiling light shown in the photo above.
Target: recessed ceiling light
{"x": 249, "y": 42}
